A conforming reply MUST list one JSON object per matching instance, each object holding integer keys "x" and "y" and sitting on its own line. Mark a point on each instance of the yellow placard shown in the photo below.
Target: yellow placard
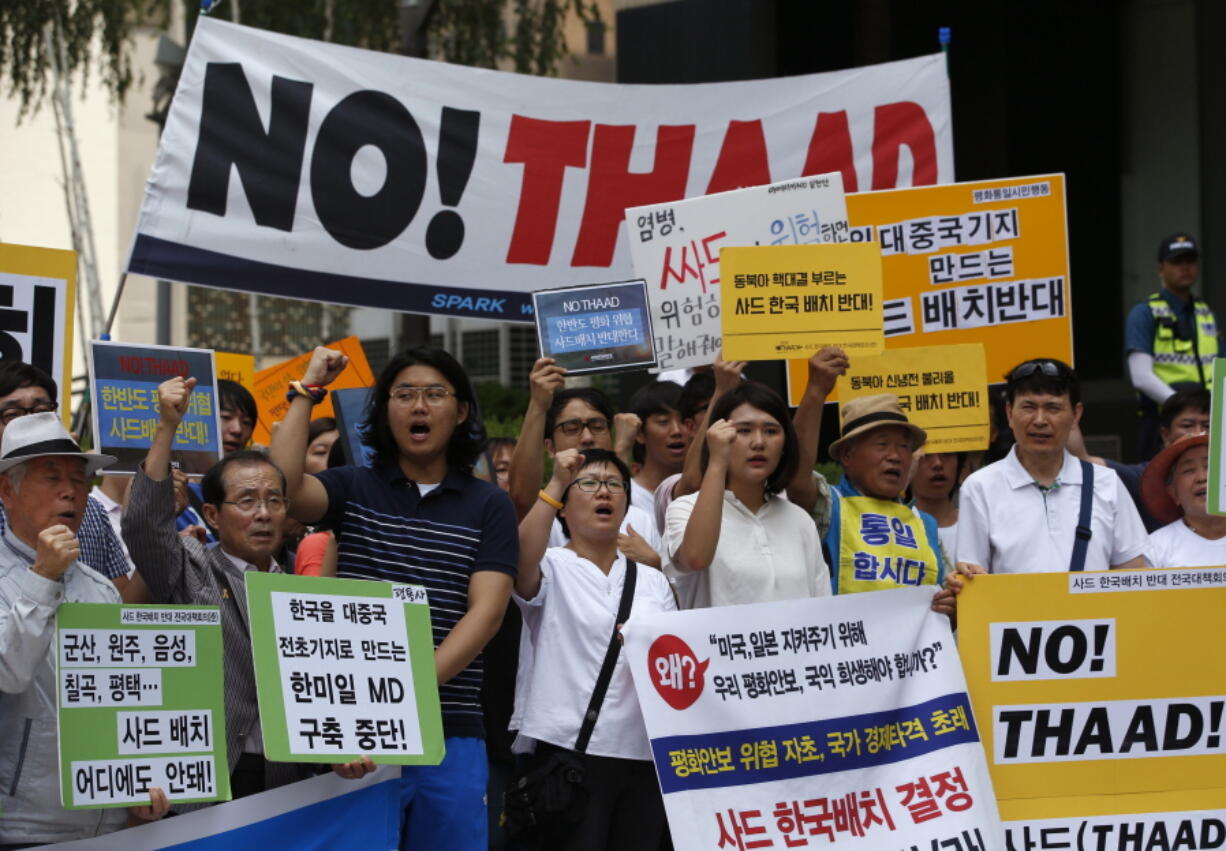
{"x": 1099, "y": 693}
{"x": 41, "y": 306}
{"x": 791, "y": 300}
{"x": 236, "y": 367}
{"x": 943, "y": 389}
{"x": 982, "y": 262}
{"x": 272, "y": 383}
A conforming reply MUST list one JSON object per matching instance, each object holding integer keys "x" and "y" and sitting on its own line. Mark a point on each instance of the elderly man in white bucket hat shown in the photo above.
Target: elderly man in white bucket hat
{"x": 44, "y": 484}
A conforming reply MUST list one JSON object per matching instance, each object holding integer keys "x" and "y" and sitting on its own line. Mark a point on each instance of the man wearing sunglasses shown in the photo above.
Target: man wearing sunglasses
{"x": 26, "y": 389}
{"x": 245, "y": 501}
{"x": 1039, "y": 509}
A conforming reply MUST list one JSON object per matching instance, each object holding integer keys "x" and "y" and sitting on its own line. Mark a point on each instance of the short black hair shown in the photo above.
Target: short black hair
{"x": 1194, "y": 398}
{"x": 233, "y": 396}
{"x": 467, "y": 440}
{"x": 593, "y": 457}
{"x": 763, "y": 398}
{"x": 696, "y": 394}
{"x": 1043, "y": 375}
{"x": 562, "y": 398}
{"x": 213, "y": 486}
{"x": 657, "y": 397}
{"x": 318, "y": 426}
{"x": 496, "y": 443}
{"x": 15, "y": 374}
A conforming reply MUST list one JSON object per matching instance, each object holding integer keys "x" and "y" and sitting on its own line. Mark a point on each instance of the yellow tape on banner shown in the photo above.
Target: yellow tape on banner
{"x": 1099, "y": 693}
{"x": 781, "y": 300}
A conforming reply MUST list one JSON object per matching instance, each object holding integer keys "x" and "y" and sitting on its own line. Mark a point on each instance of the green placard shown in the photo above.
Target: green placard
{"x": 344, "y": 668}
{"x": 140, "y": 704}
{"x": 1217, "y": 501}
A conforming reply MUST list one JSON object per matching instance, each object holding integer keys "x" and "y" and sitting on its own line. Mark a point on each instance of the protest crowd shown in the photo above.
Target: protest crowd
{"x": 270, "y": 548}
{"x": 692, "y": 496}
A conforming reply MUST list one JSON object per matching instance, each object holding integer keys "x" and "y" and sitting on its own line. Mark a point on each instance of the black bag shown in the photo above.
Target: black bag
{"x": 552, "y": 795}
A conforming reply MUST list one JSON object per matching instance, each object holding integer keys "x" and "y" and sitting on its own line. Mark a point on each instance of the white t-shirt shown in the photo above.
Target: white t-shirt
{"x": 1175, "y": 545}
{"x": 645, "y": 501}
{"x": 571, "y": 619}
{"x": 774, "y": 554}
{"x": 948, "y": 536}
{"x": 1007, "y": 524}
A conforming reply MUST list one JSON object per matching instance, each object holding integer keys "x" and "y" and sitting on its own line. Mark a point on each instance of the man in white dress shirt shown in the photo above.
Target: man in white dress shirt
{"x": 1024, "y": 513}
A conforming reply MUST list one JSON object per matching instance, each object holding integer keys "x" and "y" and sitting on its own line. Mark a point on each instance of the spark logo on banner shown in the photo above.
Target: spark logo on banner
{"x": 440, "y": 194}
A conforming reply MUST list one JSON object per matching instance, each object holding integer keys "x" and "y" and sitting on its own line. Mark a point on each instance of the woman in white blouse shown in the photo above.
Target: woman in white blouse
{"x": 569, "y": 597}
{"x": 738, "y": 540}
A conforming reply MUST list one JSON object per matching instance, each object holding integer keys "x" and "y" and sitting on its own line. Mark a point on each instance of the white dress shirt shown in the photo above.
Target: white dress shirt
{"x": 1008, "y": 524}
{"x": 773, "y": 554}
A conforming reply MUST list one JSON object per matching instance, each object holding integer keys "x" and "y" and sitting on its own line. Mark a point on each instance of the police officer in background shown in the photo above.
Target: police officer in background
{"x": 1171, "y": 338}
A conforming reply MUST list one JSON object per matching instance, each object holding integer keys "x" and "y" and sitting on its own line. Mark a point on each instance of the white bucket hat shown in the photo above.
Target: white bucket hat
{"x": 42, "y": 436}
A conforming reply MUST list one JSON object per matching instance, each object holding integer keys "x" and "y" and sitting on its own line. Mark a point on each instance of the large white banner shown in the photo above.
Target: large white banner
{"x": 298, "y": 168}
{"x": 810, "y": 722}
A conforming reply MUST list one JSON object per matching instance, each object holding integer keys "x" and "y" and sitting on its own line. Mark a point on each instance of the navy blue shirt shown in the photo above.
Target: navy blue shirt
{"x": 385, "y": 530}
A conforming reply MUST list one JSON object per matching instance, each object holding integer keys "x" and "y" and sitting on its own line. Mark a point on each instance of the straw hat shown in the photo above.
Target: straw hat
{"x": 1153, "y": 480}
{"x": 866, "y": 413}
{"x": 42, "y": 436}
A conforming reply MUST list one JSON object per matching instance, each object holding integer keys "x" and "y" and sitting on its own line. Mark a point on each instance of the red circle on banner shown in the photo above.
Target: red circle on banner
{"x": 675, "y": 671}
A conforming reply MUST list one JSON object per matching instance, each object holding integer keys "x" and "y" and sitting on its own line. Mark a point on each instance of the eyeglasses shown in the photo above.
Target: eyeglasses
{"x": 1027, "y": 369}
{"x": 596, "y": 425}
{"x": 406, "y": 395}
{"x": 14, "y": 411}
{"x": 593, "y": 485}
{"x": 248, "y": 504}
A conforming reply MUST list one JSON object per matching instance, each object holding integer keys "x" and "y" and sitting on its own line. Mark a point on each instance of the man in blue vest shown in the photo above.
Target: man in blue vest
{"x": 1171, "y": 338}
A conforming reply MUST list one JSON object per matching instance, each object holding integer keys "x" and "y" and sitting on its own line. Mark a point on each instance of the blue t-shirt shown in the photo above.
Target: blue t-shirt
{"x": 385, "y": 530}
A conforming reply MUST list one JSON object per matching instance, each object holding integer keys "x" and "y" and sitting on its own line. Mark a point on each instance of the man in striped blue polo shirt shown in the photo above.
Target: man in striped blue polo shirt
{"x": 418, "y": 516}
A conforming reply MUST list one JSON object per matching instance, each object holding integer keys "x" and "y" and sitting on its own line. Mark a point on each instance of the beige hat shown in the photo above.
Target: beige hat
{"x": 866, "y": 413}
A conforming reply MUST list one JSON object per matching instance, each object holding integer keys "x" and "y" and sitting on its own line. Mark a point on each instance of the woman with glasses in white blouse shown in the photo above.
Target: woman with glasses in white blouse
{"x": 570, "y": 597}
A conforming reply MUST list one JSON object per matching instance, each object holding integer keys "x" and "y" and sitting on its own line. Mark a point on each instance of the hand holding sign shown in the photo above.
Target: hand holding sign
{"x": 326, "y": 364}
{"x": 546, "y": 379}
{"x": 58, "y": 548}
{"x": 727, "y": 374}
{"x": 825, "y": 367}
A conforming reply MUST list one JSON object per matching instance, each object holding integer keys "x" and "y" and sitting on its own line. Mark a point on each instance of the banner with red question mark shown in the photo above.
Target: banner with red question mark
{"x": 806, "y": 722}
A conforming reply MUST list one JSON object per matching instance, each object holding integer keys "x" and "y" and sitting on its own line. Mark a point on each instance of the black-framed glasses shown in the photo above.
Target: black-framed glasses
{"x": 249, "y": 504}
{"x": 596, "y": 425}
{"x": 1026, "y": 370}
{"x": 406, "y": 394}
{"x": 12, "y": 412}
{"x": 593, "y": 485}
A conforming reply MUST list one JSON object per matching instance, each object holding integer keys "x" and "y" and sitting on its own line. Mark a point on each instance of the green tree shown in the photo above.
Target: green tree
{"x": 527, "y": 33}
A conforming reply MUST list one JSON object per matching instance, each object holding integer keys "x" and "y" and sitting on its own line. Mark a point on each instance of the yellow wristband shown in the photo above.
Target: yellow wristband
{"x": 549, "y": 500}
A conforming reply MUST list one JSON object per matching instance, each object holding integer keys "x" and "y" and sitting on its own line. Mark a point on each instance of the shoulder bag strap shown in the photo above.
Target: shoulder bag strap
{"x": 610, "y": 659}
{"x": 1082, "y": 542}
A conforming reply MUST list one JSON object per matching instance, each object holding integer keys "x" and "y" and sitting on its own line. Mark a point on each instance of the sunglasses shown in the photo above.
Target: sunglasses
{"x": 1026, "y": 370}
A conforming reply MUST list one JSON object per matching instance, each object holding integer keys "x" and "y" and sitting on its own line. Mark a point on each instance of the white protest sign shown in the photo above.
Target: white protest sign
{"x": 675, "y": 248}
{"x": 809, "y": 722}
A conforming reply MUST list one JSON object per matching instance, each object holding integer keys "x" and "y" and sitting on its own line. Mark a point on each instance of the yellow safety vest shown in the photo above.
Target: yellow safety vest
{"x": 882, "y": 544}
{"x": 1179, "y": 361}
